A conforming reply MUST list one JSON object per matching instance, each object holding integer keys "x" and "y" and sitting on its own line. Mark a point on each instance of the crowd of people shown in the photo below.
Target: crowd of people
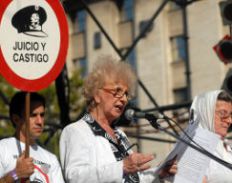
{"x": 92, "y": 149}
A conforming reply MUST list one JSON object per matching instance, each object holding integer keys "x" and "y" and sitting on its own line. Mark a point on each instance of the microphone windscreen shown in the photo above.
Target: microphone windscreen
{"x": 129, "y": 114}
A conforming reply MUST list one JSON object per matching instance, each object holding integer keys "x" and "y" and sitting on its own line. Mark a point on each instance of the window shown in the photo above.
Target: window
{"x": 81, "y": 64}
{"x": 97, "y": 40}
{"x": 80, "y": 21}
{"x": 132, "y": 59}
{"x": 127, "y": 12}
{"x": 142, "y": 26}
{"x": 178, "y": 46}
{"x": 180, "y": 95}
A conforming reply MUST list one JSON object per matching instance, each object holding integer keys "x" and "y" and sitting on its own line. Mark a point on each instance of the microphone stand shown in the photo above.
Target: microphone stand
{"x": 152, "y": 119}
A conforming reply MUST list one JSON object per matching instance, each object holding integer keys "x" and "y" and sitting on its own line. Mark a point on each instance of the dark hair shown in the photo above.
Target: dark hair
{"x": 224, "y": 96}
{"x": 17, "y": 104}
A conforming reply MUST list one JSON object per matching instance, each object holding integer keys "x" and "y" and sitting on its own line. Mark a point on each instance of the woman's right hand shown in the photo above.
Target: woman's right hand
{"x": 136, "y": 162}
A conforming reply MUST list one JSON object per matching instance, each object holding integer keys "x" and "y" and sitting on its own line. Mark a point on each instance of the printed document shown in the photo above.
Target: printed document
{"x": 192, "y": 164}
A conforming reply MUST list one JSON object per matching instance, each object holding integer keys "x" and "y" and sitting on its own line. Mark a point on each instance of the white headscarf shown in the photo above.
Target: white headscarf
{"x": 203, "y": 108}
{"x": 202, "y": 114}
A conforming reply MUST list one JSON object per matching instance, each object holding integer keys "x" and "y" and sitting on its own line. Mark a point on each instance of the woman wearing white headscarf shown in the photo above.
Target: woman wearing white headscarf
{"x": 213, "y": 111}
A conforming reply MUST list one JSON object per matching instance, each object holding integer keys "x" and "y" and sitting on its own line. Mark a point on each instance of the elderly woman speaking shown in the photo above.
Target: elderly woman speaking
{"x": 91, "y": 149}
{"x": 213, "y": 111}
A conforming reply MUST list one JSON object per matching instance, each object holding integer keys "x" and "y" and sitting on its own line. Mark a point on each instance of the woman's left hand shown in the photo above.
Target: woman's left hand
{"x": 169, "y": 169}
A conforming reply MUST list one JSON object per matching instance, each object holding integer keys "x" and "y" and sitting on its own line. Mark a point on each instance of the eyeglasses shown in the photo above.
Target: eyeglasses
{"x": 118, "y": 92}
{"x": 224, "y": 114}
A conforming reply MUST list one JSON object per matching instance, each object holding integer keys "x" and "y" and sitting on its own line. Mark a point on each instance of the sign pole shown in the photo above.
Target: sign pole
{"x": 27, "y": 133}
{"x": 27, "y": 115}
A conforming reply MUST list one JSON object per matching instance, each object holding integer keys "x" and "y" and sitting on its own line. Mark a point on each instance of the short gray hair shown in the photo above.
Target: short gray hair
{"x": 107, "y": 67}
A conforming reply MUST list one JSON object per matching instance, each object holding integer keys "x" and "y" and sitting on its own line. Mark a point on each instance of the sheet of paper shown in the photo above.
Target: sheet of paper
{"x": 192, "y": 164}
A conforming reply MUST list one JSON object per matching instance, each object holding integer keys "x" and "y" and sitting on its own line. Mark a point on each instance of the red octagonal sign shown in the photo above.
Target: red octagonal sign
{"x": 33, "y": 42}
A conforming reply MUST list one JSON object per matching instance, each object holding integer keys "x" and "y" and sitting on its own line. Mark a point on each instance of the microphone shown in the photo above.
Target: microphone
{"x": 131, "y": 114}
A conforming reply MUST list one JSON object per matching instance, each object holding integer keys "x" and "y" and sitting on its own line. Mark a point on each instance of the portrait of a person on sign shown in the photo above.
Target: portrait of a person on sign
{"x": 29, "y": 21}
{"x": 35, "y": 22}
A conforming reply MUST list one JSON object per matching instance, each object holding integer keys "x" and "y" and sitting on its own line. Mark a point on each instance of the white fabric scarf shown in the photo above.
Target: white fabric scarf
{"x": 203, "y": 109}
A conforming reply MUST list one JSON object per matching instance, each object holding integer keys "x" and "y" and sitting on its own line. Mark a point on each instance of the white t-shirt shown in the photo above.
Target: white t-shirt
{"x": 87, "y": 158}
{"x": 47, "y": 168}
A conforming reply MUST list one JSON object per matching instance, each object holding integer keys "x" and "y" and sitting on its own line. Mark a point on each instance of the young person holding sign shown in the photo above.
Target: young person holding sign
{"x": 41, "y": 166}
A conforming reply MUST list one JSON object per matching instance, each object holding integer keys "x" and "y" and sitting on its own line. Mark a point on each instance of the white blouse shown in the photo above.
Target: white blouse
{"x": 86, "y": 157}
{"x": 216, "y": 172}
